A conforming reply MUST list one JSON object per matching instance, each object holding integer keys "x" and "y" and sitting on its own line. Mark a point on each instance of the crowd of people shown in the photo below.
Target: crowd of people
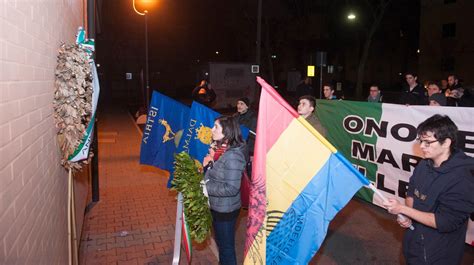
{"x": 448, "y": 92}
{"x": 439, "y": 200}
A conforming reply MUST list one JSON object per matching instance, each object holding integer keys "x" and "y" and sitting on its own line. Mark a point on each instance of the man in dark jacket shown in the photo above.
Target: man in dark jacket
{"x": 375, "y": 95}
{"x": 204, "y": 93}
{"x": 414, "y": 94}
{"x": 304, "y": 88}
{"x": 460, "y": 97}
{"x": 439, "y": 199}
{"x": 307, "y": 109}
{"x": 247, "y": 118}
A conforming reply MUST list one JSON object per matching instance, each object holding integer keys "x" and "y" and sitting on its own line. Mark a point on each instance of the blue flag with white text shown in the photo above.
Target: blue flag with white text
{"x": 163, "y": 129}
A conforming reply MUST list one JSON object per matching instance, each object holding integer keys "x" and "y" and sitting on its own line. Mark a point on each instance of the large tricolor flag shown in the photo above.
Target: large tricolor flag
{"x": 300, "y": 182}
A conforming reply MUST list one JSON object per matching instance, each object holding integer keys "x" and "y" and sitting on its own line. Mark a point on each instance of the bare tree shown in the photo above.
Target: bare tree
{"x": 377, "y": 10}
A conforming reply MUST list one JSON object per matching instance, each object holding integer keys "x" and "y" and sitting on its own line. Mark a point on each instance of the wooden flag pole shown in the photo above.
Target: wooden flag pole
{"x": 74, "y": 229}
{"x": 71, "y": 222}
{"x": 69, "y": 230}
{"x": 178, "y": 230}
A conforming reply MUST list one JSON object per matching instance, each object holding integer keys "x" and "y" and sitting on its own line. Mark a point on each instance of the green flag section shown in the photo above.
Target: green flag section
{"x": 380, "y": 141}
{"x": 333, "y": 115}
{"x": 82, "y": 151}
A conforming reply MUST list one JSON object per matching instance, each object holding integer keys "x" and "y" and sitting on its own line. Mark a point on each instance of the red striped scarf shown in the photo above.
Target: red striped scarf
{"x": 219, "y": 151}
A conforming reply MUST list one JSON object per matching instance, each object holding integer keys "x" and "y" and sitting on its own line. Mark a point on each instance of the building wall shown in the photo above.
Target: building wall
{"x": 33, "y": 185}
{"x": 443, "y": 55}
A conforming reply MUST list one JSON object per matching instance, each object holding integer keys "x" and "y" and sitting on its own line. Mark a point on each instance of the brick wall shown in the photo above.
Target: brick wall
{"x": 33, "y": 185}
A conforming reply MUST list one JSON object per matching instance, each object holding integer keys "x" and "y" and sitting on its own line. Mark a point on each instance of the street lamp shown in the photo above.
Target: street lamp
{"x": 145, "y": 3}
{"x": 351, "y": 16}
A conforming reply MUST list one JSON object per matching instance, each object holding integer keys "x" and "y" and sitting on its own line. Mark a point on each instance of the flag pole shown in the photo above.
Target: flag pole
{"x": 178, "y": 230}
{"x": 384, "y": 199}
{"x": 73, "y": 223}
{"x": 69, "y": 232}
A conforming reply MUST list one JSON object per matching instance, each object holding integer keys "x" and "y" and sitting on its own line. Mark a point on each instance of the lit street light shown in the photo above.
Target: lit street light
{"x": 351, "y": 16}
{"x": 145, "y": 4}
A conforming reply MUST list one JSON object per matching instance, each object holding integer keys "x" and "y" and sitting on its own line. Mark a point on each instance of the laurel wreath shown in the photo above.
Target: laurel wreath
{"x": 187, "y": 180}
{"x": 72, "y": 100}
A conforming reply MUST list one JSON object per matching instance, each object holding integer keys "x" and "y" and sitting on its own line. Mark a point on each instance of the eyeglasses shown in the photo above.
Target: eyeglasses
{"x": 425, "y": 142}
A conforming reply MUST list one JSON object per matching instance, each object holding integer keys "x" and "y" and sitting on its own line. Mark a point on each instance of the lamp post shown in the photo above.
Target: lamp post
{"x": 259, "y": 32}
{"x": 147, "y": 81}
{"x": 351, "y": 16}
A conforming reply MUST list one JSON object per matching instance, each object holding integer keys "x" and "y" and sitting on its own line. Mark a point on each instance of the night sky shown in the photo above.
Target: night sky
{"x": 178, "y": 30}
{"x": 185, "y": 34}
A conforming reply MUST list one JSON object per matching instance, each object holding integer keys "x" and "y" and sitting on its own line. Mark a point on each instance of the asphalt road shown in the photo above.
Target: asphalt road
{"x": 361, "y": 233}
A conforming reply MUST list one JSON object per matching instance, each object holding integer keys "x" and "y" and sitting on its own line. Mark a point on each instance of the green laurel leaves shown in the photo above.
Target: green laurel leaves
{"x": 187, "y": 180}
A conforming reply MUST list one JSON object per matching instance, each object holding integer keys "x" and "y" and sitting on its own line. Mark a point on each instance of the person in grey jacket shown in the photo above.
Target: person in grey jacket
{"x": 224, "y": 166}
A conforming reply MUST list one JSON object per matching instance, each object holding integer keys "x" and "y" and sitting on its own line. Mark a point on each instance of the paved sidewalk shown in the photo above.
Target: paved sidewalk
{"x": 133, "y": 223}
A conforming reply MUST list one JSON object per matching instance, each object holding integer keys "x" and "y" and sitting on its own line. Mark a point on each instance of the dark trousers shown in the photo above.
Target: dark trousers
{"x": 224, "y": 230}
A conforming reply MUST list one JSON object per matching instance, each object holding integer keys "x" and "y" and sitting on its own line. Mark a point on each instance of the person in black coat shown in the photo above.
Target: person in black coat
{"x": 304, "y": 88}
{"x": 439, "y": 199}
{"x": 247, "y": 118}
{"x": 414, "y": 93}
{"x": 204, "y": 93}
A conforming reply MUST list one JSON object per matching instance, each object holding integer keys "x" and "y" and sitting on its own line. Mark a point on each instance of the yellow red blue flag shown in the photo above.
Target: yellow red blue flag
{"x": 299, "y": 184}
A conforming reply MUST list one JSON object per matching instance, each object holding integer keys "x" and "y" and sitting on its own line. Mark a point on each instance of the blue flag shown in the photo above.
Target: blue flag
{"x": 197, "y": 135}
{"x": 162, "y": 133}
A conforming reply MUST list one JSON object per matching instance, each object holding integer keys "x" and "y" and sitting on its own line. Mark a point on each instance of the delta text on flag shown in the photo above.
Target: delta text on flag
{"x": 380, "y": 140}
{"x": 299, "y": 184}
{"x": 164, "y": 126}
{"x": 197, "y": 135}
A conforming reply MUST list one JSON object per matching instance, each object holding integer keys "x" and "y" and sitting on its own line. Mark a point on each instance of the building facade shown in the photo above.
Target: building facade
{"x": 33, "y": 184}
{"x": 446, "y": 40}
